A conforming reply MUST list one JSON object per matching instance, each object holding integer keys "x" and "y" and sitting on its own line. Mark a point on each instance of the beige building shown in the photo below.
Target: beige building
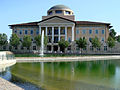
{"x": 60, "y": 23}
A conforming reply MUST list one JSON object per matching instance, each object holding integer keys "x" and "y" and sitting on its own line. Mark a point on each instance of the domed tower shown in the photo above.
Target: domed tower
{"x": 60, "y": 10}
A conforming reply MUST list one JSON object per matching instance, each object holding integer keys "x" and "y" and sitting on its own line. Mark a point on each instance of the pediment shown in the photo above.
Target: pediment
{"x": 56, "y": 20}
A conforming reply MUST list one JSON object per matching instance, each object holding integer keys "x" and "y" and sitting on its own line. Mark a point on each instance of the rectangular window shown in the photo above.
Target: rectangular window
{"x": 21, "y": 39}
{"x": 34, "y": 47}
{"x": 62, "y": 30}
{"x": 31, "y": 32}
{"x": 50, "y": 13}
{"x": 105, "y": 48}
{"x": 90, "y": 31}
{"x": 102, "y": 39}
{"x": 90, "y": 39}
{"x": 56, "y": 30}
{"x": 20, "y": 32}
{"x": 58, "y": 11}
{"x": 15, "y": 31}
{"x": 96, "y": 31}
{"x": 83, "y": 31}
{"x": 37, "y": 32}
{"x": 91, "y": 48}
{"x": 69, "y": 39}
{"x": 77, "y": 38}
{"x": 67, "y": 12}
{"x": 26, "y": 32}
{"x": 102, "y": 31}
{"x": 55, "y": 39}
{"x": 77, "y": 31}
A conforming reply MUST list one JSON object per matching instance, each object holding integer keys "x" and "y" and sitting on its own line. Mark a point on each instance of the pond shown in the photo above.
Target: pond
{"x": 90, "y": 75}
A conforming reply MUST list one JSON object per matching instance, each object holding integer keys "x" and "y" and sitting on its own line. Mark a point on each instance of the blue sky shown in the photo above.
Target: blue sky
{"x": 21, "y": 11}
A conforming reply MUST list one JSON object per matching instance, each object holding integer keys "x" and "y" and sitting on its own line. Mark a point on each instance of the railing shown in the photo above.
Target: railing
{"x": 7, "y": 57}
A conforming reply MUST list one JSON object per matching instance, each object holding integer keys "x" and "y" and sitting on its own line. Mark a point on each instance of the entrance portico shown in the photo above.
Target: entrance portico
{"x": 55, "y": 32}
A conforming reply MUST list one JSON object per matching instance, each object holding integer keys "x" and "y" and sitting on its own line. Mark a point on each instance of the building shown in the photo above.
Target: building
{"x": 60, "y": 23}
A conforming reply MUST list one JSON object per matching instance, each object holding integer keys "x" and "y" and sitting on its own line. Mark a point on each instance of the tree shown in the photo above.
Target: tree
{"x": 3, "y": 39}
{"x": 112, "y": 33}
{"x": 63, "y": 44}
{"x": 14, "y": 40}
{"x": 110, "y": 42}
{"x": 27, "y": 42}
{"x": 96, "y": 42}
{"x": 38, "y": 40}
{"x": 118, "y": 38}
{"x": 82, "y": 43}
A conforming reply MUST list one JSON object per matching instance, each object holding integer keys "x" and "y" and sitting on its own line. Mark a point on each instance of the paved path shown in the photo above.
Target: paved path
{"x": 61, "y": 59}
{"x": 6, "y": 85}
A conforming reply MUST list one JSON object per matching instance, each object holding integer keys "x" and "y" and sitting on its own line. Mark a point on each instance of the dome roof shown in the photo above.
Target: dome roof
{"x": 59, "y": 7}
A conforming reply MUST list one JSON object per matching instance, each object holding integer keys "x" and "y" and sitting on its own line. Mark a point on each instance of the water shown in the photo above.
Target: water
{"x": 92, "y": 75}
{"x": 42, "y": 44}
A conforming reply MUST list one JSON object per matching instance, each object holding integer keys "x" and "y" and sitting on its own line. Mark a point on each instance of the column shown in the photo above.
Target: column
{"x": 52, "y": 34}
{"x": 65, "y": 33}
{"x": 46, "y": 30}
{"x": 59, "y": 33}
{"x": 72, "y": 33}
{"x": 40, "y": 30}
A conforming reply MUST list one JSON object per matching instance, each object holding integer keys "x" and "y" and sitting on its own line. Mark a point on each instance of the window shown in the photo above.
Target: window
{"x": 37, "y": 32}
{"x": 102, "y": 31}
{"x": 69, "y": 39}
{"x": 77, "y": 39}
{"x": 15, "y": 31}
{"x": 31, "y": 31}
{"x": 96, "y": 31}
{"x": 77, "y": 31}
{"x": 83, "y": 31}
{"x": 62, "y": 30}
{"x": 67, "y": 12}
{"x": 69, "y": 47}
{"x": 22, "y": 48}
{"x": 105, "y": 48}
{"x": 50, "y": 13}
{"x": 91, "y": 48}
{"x": 21, "y": 39}
{"x": 98, "y": 49}
{"x": 55, "y": 39}
{"x": 90, "y": 31}
{"x": 20, "y": 32}
{"x": 103, "y": 39}
{"x": 56, "y": 30}
{"x": 26, "y": 32}
{"x": 90, "y": 39}
{"x": 58, "y": 11}
{"x": 49, "y": 39}
{"x": 32, "y": 39}
{"x": 34, "y": 47}
{"x": 48, "y": 48}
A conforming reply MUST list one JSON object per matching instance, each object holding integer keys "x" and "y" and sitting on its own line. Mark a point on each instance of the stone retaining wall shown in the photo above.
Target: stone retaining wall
{"x": 61, "y": 59}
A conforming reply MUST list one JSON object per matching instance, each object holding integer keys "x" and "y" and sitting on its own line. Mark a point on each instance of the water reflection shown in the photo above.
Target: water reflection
{"x": 74, "y": 75}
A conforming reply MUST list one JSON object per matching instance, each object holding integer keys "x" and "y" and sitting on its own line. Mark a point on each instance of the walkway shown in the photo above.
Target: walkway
{"x": 6, "y": 85}
{"x": 61, "y": 59}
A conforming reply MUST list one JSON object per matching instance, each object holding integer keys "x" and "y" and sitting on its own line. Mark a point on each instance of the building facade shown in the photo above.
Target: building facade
{"x": 60, "y": 23}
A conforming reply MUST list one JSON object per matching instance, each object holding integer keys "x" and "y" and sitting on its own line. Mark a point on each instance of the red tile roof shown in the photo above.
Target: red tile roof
{"x": 89, "y": 22}
{"x": 26, "y": 24}
{"x": 77, "y": 22}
